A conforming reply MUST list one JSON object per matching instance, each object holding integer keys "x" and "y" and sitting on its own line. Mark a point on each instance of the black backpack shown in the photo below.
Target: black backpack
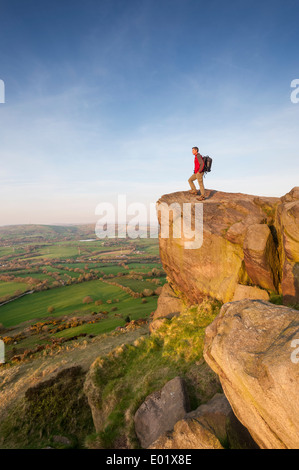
{"x": 208, "y": 164}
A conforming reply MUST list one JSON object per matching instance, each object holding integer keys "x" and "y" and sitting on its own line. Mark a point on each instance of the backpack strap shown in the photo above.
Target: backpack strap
{"x": 201, "y": 163}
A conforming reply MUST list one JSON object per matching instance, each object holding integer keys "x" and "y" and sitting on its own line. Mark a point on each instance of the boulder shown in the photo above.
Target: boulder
{"x": 156, "y": 324}
{"x": 188, "y": 433}
{"x": 293, "y": 195}
{"x": 160, "y": 411}
{"x": 250, "y": 346}
{"x": 290, "y": 282}
{"x": 237, "y": 232}
{"x": 169, "y": 305}
{"x": 215, "y": 268}
{"x": 214, "y": 415}
{"x": 249, "y": 292}
{"x": 211, "y": 426}
{"x": 93, "y": 394}
{"x": 242, "y": 240}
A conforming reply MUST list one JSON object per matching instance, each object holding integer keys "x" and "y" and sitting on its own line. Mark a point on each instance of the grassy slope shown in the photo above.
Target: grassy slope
{"x": 57, "y": 407}
{"x": 127, "y": 375}
{"x": 128, "y": 367}
{"x": 62, "y": 408}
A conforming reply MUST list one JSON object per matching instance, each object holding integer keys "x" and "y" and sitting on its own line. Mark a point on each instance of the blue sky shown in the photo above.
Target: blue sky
{"x": 107, "y": 97}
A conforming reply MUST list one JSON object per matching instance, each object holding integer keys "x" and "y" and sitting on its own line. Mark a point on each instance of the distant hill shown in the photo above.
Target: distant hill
{"x": 39, "y": 233}
{"x": 36, "y": 232}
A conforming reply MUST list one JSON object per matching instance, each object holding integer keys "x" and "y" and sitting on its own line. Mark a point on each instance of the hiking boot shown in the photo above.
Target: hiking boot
{"x": 201, "y": 198}
{"x": 193, "y": 191}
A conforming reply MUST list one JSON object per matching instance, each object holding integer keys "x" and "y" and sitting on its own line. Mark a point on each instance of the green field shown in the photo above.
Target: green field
{"x": 9, "y": 288}
{"x": 132, "y": 308}
{"x": 40, "y": 276}
{"x": 137, "y": 285}
{"x": 66, "y": 300}
{"x": 6, "y": 251}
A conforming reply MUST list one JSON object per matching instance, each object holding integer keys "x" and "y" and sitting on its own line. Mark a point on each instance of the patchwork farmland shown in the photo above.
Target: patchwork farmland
{"x": 61, "y": 284}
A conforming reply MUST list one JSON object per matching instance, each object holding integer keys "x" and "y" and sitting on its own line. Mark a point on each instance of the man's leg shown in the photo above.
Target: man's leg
{"x": 200, "y": 182}
{"x": 190, "y": 181}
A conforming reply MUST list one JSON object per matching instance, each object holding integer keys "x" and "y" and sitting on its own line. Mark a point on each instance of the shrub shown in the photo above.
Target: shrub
{"x": 147, "y": 292}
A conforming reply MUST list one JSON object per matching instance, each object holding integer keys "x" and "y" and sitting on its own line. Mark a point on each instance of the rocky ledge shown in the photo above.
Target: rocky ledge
{"x": 250, "y": 247}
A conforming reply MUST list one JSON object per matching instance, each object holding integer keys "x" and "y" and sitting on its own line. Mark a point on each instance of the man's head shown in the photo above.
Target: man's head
{"x": 195, "y": 150}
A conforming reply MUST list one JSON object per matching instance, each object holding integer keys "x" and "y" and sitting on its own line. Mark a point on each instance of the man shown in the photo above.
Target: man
{"x": 198, "y": 174}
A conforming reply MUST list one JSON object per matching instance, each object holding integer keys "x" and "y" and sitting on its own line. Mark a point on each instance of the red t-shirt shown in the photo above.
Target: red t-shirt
{"x": 198, "y": 163}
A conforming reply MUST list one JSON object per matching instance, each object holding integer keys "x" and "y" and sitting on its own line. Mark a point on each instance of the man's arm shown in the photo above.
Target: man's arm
{"x": 201, "y": 163}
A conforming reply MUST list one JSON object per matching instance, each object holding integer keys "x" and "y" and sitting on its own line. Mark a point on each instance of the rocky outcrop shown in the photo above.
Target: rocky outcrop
{"x": 248, "y": 252}
{"x": 261, "y": 257}
{"x": 169, "y": 305}
{"x": 287, "y": 228}
{"x": 188, "y": 434}
{"x": 250, "y": 346}
{"x": 214, "y": 415}
{"x": 247, "y": 241}
{"x": 211, "y": 426}
{"x": 160, "y": 411}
